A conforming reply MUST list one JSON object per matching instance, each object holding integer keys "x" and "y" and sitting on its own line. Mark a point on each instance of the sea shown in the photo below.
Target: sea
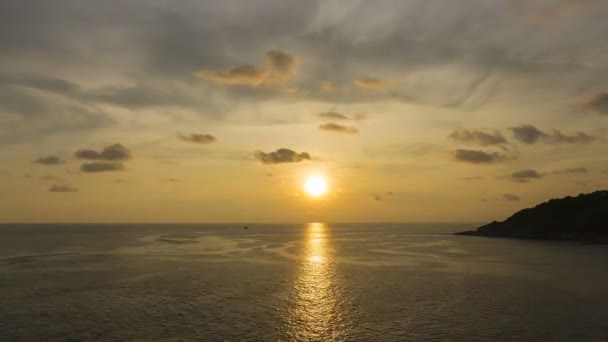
{"x": 295, "y": 282}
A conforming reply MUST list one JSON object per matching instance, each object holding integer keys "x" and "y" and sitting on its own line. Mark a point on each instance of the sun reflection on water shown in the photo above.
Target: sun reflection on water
{"x": 315, "y": 314}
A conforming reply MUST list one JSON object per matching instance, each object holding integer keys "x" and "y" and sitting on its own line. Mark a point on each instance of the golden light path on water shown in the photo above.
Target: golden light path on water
{"x": 315, "y": 313}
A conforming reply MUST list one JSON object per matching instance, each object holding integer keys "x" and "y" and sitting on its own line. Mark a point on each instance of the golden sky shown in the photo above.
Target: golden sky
{"x": 219, "y": 111}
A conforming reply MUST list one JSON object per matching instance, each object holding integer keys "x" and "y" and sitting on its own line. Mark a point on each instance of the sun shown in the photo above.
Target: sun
{"x": 316, "y": 185}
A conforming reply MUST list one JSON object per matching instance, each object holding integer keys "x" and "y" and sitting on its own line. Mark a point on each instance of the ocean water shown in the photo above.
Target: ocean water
{"x": 295, "y": 282}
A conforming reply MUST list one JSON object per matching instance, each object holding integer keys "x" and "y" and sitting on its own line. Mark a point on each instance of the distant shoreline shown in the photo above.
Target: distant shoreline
{"x": 583, "y": 218}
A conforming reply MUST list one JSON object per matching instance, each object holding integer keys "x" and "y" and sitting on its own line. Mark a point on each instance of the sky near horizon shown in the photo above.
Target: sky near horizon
{"x": 218, "y": 111}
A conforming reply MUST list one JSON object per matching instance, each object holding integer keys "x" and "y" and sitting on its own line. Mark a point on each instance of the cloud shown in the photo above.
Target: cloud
{"x": 101, "y": 167}
{"x": 571, "y": 171}
{"x": 198, "y": 138}
{"x": 241, "y": 75}
{"x": 50, "y": 177}
{"x": 381, "y": 196}
{"x": 333, "y": 116}
{"x": 280, "y": 66}
{"x": 580, "y": 137}
{"x": 326, "y": 34}
{"x": 598, "y": 103}
{"x": 477, "y": 157}
{"x": 472, "y": 178}
{"x": 115, "y": 152}
{"x": 49, "y": 160}
{"x": 131, "y": 96}
{"x": 327, "y": 86}
{"x": 62, "y": 188}
{"x": 371, "y": 83}
{"x": 334, "y": 127}
{"x": 524, "y": 176}
{"x": 561, "y": 9}
{"x": 529, "y": 134}
{"x": 477, "y": 137}
{"x": 282, "y": 155}
{"x": 511, "y": 198}
{"x": 36, "y": 114}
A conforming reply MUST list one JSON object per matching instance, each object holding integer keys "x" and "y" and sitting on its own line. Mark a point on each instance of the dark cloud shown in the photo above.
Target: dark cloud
{"x": 524, "y": 176}
{"x": 279, "y": 67}
{"x": 371, "y": 83}
{"x": 49, "y": 160}
{"x": 282, "y": 65}
{"x": 282, "y": 155}
{"x": 333, "y": 116}
{"x": 598, "y": 103}
{"x": 101, "y": 167}
{"x": 477, "y": 157}
{"x": 527, "y": 134}
{"x": 477, "y": 137}
{"x": 198, "y": 138}
{"x": 62, "y": 188}
{"x": 511, "y": 198}
{"x": 115, "y": 152}
{"x": 334, "y": 127}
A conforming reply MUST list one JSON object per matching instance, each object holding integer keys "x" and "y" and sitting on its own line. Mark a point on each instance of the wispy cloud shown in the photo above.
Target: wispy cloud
{"x": 332, "y": 116}
{"x": 51, "y": 178}
{"x": 49, "y": 160}
{"x": 371, "y": 83}
{"x": 62, "y": 188}
{"x": 529, "y": 134}
{"x": 477, "y": 137}
{"x": 571, "y": 171}
{"x": 334, "y": 127}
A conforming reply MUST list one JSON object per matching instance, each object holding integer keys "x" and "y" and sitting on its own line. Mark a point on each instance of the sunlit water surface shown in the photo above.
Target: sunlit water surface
{"x": 312, "y": 282}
